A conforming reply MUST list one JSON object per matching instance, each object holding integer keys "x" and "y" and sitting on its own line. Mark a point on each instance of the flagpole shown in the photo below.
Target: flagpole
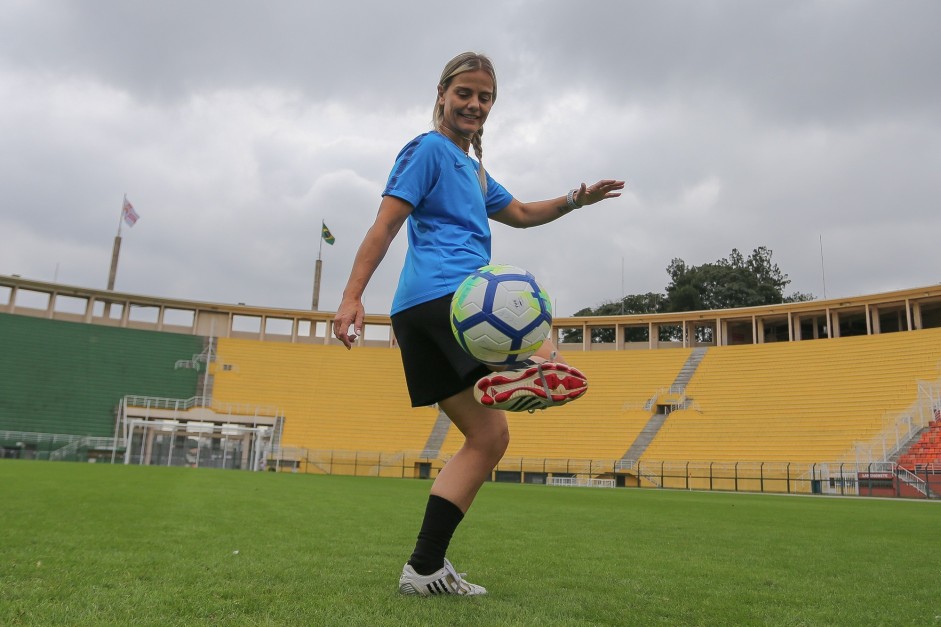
{"x": 116, "y": 250}
{"x": 318, "y": 266}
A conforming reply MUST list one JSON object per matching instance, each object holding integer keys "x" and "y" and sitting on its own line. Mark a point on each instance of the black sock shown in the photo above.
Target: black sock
{"x": 441, "y": 519}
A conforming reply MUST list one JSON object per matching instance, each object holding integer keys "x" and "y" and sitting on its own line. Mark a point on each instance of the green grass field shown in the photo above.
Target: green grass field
{"x": 118, "y": 545}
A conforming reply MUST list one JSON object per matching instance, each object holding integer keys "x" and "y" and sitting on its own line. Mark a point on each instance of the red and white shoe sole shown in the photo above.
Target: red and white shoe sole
{"x": 524, "y": 389}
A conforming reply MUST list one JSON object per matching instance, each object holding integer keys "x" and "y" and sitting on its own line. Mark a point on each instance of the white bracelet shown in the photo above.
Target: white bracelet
{"x": 570, "y": 200}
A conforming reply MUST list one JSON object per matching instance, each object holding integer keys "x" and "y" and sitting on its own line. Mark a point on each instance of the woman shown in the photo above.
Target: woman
{"x": 446, "y": 197}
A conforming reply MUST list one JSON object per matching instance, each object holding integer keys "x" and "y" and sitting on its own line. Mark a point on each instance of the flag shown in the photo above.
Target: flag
{"x": 326, "y": 234}
{"x": 130, "y": 216}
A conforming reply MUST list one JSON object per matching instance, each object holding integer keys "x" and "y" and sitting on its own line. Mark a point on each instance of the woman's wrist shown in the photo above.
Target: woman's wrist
{"x": 570, "y": 202}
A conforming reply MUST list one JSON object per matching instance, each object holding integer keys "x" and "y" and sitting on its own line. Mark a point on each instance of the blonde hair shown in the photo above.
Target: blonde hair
{"x": 466, "y": 62}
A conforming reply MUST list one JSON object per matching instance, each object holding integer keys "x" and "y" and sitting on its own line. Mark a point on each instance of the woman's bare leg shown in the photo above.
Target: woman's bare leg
{"x": 486, "y": 439}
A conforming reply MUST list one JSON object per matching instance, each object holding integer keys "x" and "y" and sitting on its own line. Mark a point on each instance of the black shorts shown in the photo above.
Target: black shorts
{"x": 436, "y": 367}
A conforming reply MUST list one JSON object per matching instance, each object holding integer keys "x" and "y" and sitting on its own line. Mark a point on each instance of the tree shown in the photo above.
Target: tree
{"x": 735, "y": 281}
{"x": 728, "y": 283}
{"x": 630, "y": 304}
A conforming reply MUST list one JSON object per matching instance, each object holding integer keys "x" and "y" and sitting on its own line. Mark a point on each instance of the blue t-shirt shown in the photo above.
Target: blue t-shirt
{"x": 448, "y": 229}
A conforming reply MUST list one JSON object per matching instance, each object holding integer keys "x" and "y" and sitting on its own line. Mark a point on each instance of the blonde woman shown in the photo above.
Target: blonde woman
{"x": 446, "y": 199}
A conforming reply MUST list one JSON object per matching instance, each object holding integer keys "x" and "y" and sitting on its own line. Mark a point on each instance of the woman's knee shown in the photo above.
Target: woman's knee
{"x": 492, "y": 441}
{"x": 484, "y": 429}
{"x": 500, "y": 440}
{"x": 491, "y": 438}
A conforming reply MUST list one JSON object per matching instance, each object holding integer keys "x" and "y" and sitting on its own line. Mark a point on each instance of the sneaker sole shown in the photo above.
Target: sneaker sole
{"x": 408, "y": 588}
{"x": 522, "y": 390}
{"x": 444, "y": 582}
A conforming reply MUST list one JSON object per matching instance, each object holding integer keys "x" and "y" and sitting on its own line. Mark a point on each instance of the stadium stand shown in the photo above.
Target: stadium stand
{"x": 61, "y": 377}
{"x": 68, "y": 355}
{"x": 797, "y": 401}
{"x": 926, "y": 452}
{"x": 604, "y": 423}
{"x": 332, "y": 399}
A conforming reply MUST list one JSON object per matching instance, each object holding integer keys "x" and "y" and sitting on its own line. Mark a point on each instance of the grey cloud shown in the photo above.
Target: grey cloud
{"x": 235, "y": 127}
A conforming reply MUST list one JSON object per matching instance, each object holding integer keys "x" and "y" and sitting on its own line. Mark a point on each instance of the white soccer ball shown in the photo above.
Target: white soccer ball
{"x": 500, "y": 315}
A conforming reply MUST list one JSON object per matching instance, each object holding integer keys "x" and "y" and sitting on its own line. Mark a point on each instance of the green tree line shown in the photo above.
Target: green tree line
{"x": 734, "y": 281}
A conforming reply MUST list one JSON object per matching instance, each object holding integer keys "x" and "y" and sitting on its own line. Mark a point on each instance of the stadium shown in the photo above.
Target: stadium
{"x": 170, "y": 455}
{"x": 744, "y": 450}
{"x": 821, "y": 397}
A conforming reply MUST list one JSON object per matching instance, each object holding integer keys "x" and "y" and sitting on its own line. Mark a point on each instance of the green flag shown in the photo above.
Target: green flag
{"x": 326, "y": 234}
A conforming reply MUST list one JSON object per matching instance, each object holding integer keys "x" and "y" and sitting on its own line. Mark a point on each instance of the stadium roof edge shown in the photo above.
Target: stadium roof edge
{"x": 913, "y": 308}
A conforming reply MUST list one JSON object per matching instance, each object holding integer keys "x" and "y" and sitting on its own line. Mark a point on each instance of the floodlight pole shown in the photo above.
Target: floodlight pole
{"x": 823, "y": 269}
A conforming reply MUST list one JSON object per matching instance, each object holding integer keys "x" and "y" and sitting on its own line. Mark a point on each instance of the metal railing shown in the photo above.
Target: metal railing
{"x": 177, "y": 404}
{"x": 50, "y": 446}
{"x": 73, "y": 449}
{"x": 900, "y": 428}
{"x": 912, "y": 480}
{"x": 839, "y": 478}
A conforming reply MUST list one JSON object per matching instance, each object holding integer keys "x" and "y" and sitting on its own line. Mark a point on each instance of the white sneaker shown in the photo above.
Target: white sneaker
{"x": 443, "y": 581}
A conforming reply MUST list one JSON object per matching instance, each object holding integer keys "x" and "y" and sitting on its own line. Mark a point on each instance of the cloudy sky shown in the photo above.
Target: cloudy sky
{"x": 235, "y": 127}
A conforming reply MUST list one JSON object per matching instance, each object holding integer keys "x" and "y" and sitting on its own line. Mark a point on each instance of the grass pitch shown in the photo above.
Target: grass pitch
{"x": 120, "y": 545}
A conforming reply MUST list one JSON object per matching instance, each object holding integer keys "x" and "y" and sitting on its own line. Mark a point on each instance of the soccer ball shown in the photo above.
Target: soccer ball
{"x": 500, "y": 315}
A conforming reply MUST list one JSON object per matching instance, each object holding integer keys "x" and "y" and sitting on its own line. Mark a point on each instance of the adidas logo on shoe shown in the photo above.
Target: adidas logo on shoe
{"x": 443, "y": 581}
